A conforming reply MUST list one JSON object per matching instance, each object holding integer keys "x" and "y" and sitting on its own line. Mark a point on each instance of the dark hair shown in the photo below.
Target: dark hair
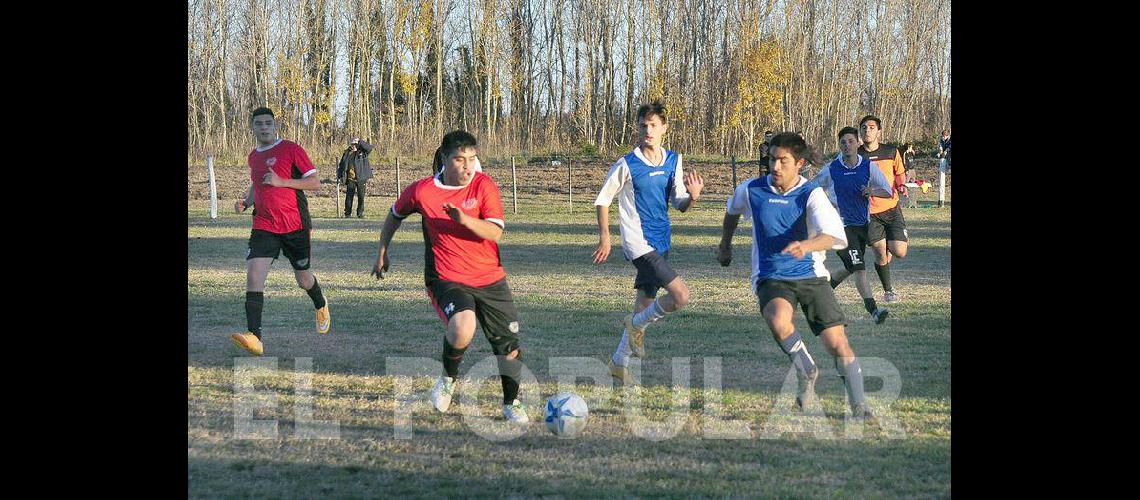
{"x": 452, "y": 142}
{"x": 878, "y": 123}
{"x": 793, "y": 143}
{"x": 848, "y": 130}
{"x": 653, "y": 108}
{"x": 261, "y": 111}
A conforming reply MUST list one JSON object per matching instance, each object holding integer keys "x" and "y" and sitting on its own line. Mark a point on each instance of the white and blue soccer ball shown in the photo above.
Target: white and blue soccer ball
{"x": 566, "y": 414}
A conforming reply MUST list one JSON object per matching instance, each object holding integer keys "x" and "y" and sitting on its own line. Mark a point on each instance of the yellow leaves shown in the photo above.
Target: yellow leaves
{"x": 758, "y": 90}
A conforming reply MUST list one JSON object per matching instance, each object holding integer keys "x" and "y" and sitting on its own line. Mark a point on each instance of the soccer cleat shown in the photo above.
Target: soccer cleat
{"x": 880, "y": 315}
{"x": 441, "y": 393}
{"x": 890, "y": 296}
{"x": 622, "y": 374}
{"x": 805, "y": 396}
{"x": 516, "y": 412}
{"x": 636, "y": 337}
{"x": 249, "y": 342}
{"x": 324, "y": 319}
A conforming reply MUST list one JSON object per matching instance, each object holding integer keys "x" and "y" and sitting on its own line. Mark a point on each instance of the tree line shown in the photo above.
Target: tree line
{"x": 545, "y": 76}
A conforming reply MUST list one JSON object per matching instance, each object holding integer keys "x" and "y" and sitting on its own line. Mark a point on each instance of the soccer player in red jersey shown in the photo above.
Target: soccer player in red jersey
{"x": 462, "y": 224}
{"x": 279, "y": 171}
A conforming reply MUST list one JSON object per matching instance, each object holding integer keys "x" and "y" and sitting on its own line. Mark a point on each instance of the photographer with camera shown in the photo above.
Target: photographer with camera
{"x": 355, "y": 171}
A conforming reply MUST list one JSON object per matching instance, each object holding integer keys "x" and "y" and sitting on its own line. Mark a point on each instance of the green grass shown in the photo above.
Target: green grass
{"x": 568, "y": 307}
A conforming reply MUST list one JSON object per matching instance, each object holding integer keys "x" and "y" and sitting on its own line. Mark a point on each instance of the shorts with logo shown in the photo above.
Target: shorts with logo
{"x": 494, "y": 308}
{"x": 653, "y": 272}
{"x": 887, "y": 224}
{"x": 815, "y": 296}
{"x": 853, "y": 255}
{"x": 295, "y": 245}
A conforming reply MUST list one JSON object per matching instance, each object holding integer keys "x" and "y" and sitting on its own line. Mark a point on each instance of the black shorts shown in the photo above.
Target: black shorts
{"x": 852, "y": 256}
{"x": 295, "y": 245}
{"x": 494, "y": 308}
{"x": 888, "y": 224}
{"x": 653, "y": 272}
{"x": 813, "y": 294}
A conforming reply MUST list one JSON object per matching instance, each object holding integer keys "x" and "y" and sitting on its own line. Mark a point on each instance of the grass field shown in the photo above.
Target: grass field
{"x": 568, "y": 308}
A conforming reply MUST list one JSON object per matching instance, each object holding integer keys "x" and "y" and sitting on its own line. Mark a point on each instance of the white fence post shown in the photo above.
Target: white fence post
{"x": 213, "y": 187}
{"x": 514, "y": 186}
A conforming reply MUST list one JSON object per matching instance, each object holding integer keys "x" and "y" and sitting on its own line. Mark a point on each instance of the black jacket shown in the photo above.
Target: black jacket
{"x": 360, "y": 162}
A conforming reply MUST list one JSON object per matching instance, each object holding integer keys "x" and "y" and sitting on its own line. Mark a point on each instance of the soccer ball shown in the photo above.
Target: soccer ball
{"x": 566, "y": 414}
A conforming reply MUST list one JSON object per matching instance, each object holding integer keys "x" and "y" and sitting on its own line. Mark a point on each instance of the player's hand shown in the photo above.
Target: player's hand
{"x": 866, "y": 191}
{"x": 602, "y": 252}
{"x": 239, "y": 206}
{"x": 902, "y": 190}
{"x": 381, "y": 266}
{"x": 724, "y": 255}
{"x": 795, "y": 249}
{"x": 272, "y": 179}
{"x": 694, "y": 183}
{"x": 454, "y": 212}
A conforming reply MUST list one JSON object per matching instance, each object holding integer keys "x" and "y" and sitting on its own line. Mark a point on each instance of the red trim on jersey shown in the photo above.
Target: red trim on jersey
{"x": 279, "y": 209}
{"x": 457, "y": 254}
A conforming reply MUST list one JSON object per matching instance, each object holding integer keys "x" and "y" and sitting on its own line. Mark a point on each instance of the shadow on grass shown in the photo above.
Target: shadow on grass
{"x": 536, "y": 465}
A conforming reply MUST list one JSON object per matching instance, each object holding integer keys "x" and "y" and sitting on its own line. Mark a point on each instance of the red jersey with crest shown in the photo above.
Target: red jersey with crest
{"x": 280, "y": 209}
{"x": 454, "y": 253}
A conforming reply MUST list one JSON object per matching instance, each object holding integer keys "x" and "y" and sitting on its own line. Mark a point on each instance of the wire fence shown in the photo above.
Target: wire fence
{"x": 535, "y": 184}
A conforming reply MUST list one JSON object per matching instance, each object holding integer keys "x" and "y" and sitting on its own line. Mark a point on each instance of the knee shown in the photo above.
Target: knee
{"x": 884, "y": 258}
{"x": 836, "y": 347}
{"x": 899, "y": 252}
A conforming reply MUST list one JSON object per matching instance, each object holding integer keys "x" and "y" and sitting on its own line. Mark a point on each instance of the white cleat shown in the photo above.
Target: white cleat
{"x": 441, "y": 393}
{"x": 515, "y": 412}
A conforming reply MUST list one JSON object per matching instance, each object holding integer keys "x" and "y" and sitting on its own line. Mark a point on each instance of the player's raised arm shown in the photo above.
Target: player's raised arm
{"x": 823, "y": 220}
{"x": 688, "y": 191}
{"x": 878, "y": 185}
{"x": 482, "y": 228}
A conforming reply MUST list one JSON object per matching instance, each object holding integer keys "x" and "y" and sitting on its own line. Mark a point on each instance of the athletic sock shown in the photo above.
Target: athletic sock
{"x": 316, "y": 295}
{"x": 623, "y": 352}
{"x": 650, "y": 314}
{"x": 254, "y": 302}
{"x": 884, "y": 275}
{"x": 797, "y": 352}
{"x": 451, "y": 359}
{"x": 509, "y": 372}
{"x": 869, "y": 305}
{"x": 852, "y": 376}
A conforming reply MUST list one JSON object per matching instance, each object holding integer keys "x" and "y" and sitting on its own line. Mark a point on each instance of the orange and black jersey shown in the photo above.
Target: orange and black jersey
{"x": 890, "y": 162}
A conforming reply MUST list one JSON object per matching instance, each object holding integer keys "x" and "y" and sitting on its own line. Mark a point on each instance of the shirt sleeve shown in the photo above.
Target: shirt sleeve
{"x": 618, "y": 176}
{"x": 900, "y": 167}
{"x": 879, "y": 184}
{"x": 738, "y": 203}
{"x": 823, "y": 178}
{"x": 822, "y": 218}
{"x": 406, "y": 204}
{"x": 302, "y": 162}
{"x": 679, "y": 195}
{"x": 491, "y": 205}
